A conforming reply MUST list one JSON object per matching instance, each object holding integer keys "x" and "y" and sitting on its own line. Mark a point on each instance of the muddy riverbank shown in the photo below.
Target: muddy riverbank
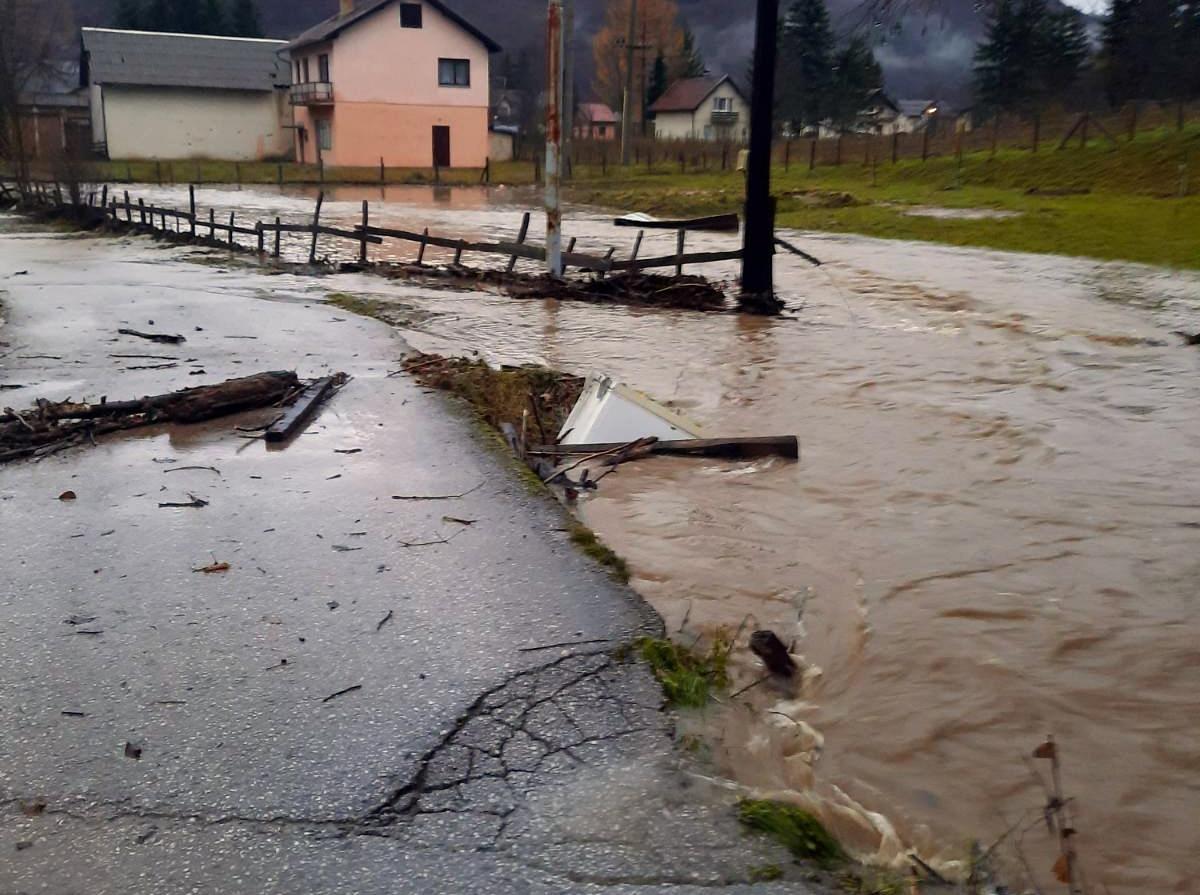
{"x": 991, "y": 535}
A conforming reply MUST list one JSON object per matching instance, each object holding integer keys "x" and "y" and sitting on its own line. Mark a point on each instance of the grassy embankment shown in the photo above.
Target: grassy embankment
{"x": 1132, "y": 208}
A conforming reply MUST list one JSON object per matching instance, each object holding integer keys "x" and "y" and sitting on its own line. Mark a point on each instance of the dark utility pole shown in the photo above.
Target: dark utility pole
{"x": 759, "y": 246}
{"x": 627, "y": 108}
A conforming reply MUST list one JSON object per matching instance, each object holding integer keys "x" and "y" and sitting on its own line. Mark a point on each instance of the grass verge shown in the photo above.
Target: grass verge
{"x": 688, "y": 678}
{"x": 797, "y": 830}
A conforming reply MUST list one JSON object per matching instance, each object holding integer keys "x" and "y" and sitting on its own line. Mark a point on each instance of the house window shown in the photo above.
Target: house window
{"x": 601, "y": 131}
{"x": 410, "y": 15}
{"x": 324, "y": 134}
{"x": 723, "y": 104}
{"x": 323, "y": 68}
{"x": 306, "y": 78}
{"x": 454, "y": 72}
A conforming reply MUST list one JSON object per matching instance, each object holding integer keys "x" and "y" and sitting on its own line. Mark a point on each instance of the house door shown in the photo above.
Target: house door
{"x": 441, "y": 146}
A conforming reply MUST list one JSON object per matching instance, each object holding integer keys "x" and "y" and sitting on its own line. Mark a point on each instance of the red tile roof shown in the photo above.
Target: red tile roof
{"x": 597, "y": 113}
{"x": 686, "y": 94}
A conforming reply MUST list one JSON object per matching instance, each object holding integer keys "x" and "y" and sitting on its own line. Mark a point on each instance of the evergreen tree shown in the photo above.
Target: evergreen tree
{"x": 805, "y": 73}
{"x": 130, "y": 15}
{"x": 658, "y": 80}
{"x": 1029, "y": 55}
{"x": 211, "y": 18}
{"x": 856, "y": 75}
{"x": 691, "y": 62}
{"x": 158, "y": 16}
{"x": 1189, "y": 49}
{"x": 1141, "y": 48}
{"x": 245, "y": 20}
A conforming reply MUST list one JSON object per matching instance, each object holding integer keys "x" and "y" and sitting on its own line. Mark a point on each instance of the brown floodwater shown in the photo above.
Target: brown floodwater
{"x": 992, "y": 534}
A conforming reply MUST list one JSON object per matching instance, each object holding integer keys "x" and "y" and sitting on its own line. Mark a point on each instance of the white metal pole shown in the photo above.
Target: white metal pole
{"x": 554, "y": 133}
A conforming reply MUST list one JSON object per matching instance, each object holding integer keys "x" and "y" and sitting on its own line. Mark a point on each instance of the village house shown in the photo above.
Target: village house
{"x": 54, "y": 114}
{"x": 595, "y": 121}
{"x": 177, "y": 96}
{"x": 702, "y": 109}
{"x": 402, "y": 83}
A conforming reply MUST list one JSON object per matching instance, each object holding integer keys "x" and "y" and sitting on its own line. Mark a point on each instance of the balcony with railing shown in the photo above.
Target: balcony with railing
{"x": 312, "y": 93}
{"x": 724, "y": 118}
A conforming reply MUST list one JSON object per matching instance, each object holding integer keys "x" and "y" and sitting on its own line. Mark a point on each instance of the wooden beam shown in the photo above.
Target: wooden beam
{"x": 743, "y": 448}
{"x": 673, "y": 260}
{"x": 299, "y": 413}
{"x": 727, "y": 223}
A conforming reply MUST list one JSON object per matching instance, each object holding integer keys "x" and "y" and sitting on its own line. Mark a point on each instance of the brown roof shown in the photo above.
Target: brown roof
{"x": 686, "y": 94}
{"x": 332, "y": 27}
{"x": 597, "y": 113}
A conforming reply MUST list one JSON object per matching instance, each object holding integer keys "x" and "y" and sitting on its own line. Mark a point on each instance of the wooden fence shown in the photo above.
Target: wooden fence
{"x": 192, "y": 225}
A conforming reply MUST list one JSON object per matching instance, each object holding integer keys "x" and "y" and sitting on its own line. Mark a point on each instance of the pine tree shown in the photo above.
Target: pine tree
{"x": 1141, "y": 50}
{"x": 856, "y": 75}
{"x": 130, "y": 15}
{"x": 1065, "y": 49}
{"x": 691, "y": 62}
{"x": 658, "y": 80}
{"x": 245, "y": 20}
{"x": 1189, "y": 49}
{"x": 805, "y": 64}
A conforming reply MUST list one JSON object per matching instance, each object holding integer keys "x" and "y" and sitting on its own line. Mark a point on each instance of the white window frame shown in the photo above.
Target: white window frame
{"x": 458, "y": 66}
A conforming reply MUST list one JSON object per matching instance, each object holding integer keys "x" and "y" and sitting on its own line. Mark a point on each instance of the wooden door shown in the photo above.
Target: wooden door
{"x": 441, "y": 146}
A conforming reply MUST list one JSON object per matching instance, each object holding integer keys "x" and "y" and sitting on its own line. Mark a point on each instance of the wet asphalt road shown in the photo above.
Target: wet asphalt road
{"x": 465, "y": 760}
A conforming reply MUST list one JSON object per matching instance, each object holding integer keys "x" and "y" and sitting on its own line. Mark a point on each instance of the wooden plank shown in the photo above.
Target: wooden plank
{"x": 726, "y": 223}
{"x": 744, "y": 448}
{"x": 298, "y": 414}
{"x": 537, "y": 253}
{"x": 673, "y": 260}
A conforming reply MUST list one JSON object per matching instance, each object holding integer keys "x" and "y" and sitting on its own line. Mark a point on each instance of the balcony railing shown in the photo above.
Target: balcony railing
{"x": 724, "y": 117}
{"x": 314, "y": 93}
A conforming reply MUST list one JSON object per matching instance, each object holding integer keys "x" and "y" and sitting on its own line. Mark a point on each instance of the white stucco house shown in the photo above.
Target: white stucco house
{"x": 702, "y": 109}
{"x": 180, "y": 96}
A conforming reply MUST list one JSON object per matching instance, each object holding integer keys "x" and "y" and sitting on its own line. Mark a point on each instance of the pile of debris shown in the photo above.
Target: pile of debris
{"x": 566, "y": 428}
{"x": 49, "y": 427}
{"x": 691, "y": 293}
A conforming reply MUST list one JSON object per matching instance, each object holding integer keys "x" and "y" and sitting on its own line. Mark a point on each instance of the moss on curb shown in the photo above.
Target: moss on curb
{"x": 794, "y": 828}
{"x": 687, "y": 677}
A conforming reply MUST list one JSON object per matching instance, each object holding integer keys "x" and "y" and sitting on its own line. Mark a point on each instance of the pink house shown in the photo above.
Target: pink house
{"x": 405, "y": 82}
{"x": 595, "y": 121}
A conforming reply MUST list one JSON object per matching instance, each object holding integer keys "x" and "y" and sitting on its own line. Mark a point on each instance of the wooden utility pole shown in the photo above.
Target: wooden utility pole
{"x": 627, "y": 106}
{"x": 758, "y": 248}
{"x": 554, "y": 136}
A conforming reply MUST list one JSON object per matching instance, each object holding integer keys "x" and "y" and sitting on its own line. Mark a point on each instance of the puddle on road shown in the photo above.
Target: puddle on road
{"x": 991, "y": 535}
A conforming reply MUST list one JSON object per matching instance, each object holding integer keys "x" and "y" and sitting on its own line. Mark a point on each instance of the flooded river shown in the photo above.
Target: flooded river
{"x": 992, "y": 534}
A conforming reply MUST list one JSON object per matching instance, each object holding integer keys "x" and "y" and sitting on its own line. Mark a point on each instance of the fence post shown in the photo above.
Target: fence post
{"x": 679, "y": 241}
{"x": 812, "y": 154}
{"x": 104, "y": 196}
{"x": 421, "y": 250}
{"x": 895, "y": 146}
{"x": 142, "y": 211}
{"x": 212, "y": 224}
{"x": 192, "y": 208}
{"x": 278, "y": 234}
{"x": 128, "y": 209}
{"x": 231, "y": 229}
{"x": 261, "y": 237}
{"x": 382, "y": 176}
{"x": 312, "y": 252}
{"x": 362, "y": 246}
{"x": 512, "y": 261}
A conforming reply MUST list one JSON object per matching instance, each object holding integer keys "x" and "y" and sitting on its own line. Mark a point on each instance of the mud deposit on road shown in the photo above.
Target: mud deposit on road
{"x": 992, "y": 533}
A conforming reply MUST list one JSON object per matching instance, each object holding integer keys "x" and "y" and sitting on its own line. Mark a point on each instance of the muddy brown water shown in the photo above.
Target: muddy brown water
{"x": 992, "y": 534}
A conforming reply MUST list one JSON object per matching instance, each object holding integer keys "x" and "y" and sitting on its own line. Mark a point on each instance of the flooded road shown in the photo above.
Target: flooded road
{"x": 992, "y": 534}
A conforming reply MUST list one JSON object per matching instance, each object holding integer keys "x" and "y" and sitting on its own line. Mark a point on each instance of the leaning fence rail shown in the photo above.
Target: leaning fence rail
{"x": 190, "y": 224}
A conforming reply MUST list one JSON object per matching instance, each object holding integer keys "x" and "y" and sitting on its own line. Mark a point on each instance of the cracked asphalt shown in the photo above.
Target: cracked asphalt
{"x": 459, "y": 755}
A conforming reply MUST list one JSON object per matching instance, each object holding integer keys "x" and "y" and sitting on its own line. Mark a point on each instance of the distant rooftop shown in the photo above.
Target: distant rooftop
{"x": 686, "y": 94}
{"x": 163, "y": 59}
{"x": 597, "y": 113}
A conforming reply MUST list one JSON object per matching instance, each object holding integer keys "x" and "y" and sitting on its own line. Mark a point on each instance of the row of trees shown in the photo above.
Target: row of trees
{"x": 822, "y": 79}
{"x": 235, "y": 18}
{"x": 1032, "y": 54}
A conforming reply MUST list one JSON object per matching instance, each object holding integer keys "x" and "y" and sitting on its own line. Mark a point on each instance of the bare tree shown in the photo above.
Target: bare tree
{"x": 34, "y": 36}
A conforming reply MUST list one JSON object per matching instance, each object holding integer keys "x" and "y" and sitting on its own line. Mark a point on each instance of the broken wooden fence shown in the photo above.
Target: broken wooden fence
{"x": 132, "y": 211}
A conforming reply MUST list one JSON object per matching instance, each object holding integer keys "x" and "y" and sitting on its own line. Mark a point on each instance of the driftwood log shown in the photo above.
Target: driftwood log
{"x": 48, "y": 427}
{"x": 768, "y": 647}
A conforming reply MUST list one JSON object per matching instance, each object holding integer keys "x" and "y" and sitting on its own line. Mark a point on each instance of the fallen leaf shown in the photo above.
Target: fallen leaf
{"x": 1062, "y": 869}
{"x": 1046, "y": 750}
{"x": 132, "y": 751}
{"x": 215, "y": 567}
{"x": 34, "y": 808}
{"x": 67, "y": 495}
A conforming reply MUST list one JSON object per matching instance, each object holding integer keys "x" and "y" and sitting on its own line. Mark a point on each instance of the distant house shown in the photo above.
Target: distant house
{"x": 917, "y": 115}
{"x": 702, "y": 109}
{"x": 502, "y": 142}
{"x": 880, "y": 114}
{"x": 595, "y": 121}
{"x": 403, "y": 82}
{"x": 174, "y": 96}
{"x": 55, "y": 122}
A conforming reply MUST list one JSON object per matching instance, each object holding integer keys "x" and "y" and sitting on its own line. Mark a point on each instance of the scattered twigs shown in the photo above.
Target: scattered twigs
{"x": 797, "y": 251}
{"x": 343, "y": 692}
{"x": 437, "y": 496}
{"x": 195, "y": 503}
{"x": 154, "y": 337}
{"x": 182, "y": 468}
{"x": 537, "y": 649}
{"x": 383, "y": 621}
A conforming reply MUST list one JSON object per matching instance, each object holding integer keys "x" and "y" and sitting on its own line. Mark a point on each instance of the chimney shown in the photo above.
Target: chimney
{"x": 347, "y": 7}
